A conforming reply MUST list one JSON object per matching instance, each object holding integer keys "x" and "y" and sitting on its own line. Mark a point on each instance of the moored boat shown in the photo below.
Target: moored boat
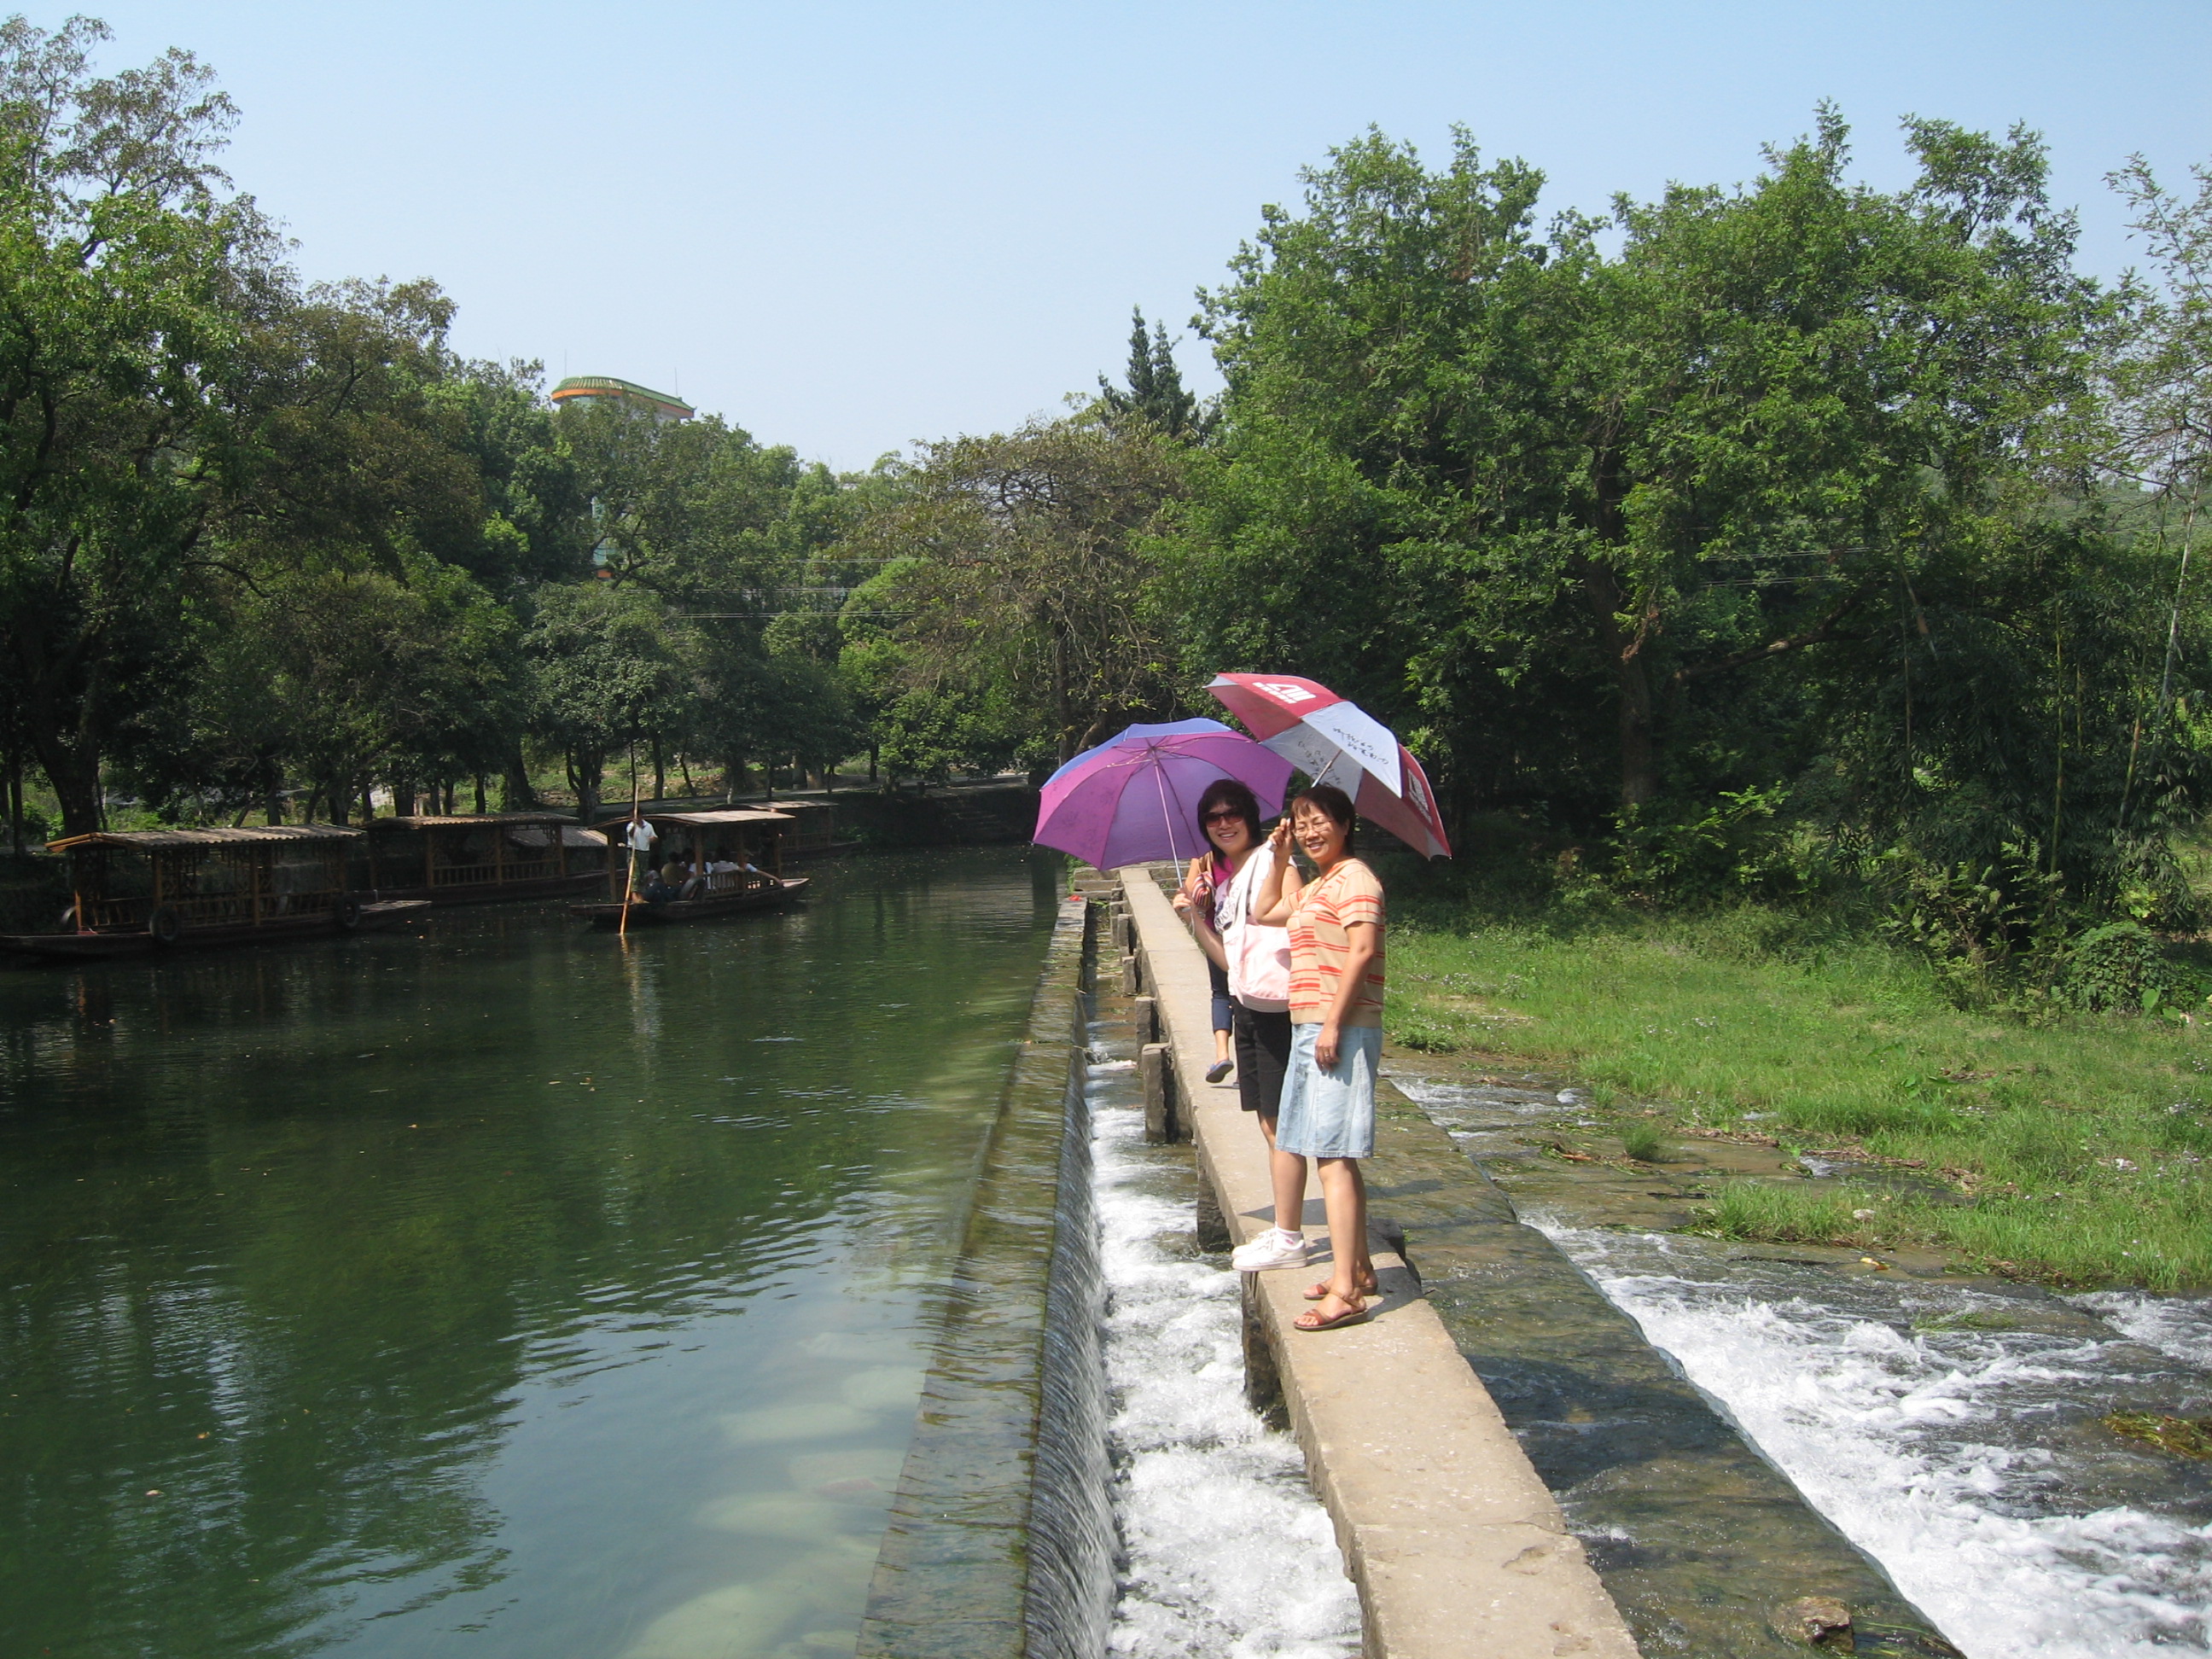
{"x": 735, "y": 864}
{"x": 813, "y": 832}
{"x": 160, "y": 889}
{"x": 474, "y": 860}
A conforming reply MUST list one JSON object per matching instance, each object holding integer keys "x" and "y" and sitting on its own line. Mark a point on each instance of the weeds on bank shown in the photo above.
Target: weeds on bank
{"x": 2077, "y": 1143}
{"x": 1642, "y": 1142}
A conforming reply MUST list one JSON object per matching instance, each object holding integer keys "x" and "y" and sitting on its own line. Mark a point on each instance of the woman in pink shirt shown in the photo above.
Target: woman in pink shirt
{"x": 1336, "y": 1023}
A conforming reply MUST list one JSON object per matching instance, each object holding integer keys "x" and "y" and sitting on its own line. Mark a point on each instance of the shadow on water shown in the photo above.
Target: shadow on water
{"x": 493, "y": 1288}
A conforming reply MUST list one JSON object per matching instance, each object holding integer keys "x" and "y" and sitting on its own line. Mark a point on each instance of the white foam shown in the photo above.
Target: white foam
{"x": 1907, "y": 1441}
{"x": 2178, "y": 1327}
{"x": 1228, "y": 1553}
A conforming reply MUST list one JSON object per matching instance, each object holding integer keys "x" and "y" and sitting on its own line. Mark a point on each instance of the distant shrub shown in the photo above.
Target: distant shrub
{"x": 1700, "y": 851}
{"x": 1423, "y": 1035}
{"x": 2119, "y": 966}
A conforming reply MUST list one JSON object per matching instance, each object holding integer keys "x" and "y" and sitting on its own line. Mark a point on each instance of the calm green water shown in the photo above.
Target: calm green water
{"x": 499, "y": 1291}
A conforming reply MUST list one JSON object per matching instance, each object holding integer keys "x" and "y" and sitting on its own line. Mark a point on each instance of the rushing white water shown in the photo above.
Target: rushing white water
{"x": 2178, "y": 1328}
{"x": 1952, "y": 1433}
{"x": 1954, "y": 1456}
{"x": 1227, "y": 1553}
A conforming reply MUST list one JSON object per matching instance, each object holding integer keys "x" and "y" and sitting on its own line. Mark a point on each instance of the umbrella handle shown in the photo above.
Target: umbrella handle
{"x": 1174, "y": 847}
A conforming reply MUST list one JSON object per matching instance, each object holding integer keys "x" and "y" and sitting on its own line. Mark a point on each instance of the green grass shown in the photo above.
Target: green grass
{"x": 2082, "y": 1143}
{"x": 1745, "y": 1209}
{"x": 1641, "y": 1141}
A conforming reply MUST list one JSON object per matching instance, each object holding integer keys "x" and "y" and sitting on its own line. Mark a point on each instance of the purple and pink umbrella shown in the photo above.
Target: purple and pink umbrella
{"x": 1135, "y": 797}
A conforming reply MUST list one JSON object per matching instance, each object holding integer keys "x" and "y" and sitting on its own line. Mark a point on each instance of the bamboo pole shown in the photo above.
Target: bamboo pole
{"x": 629, "y": 853}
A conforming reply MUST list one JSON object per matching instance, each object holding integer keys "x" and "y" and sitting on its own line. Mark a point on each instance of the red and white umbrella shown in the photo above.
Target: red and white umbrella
{"x": 1320, "y": 734}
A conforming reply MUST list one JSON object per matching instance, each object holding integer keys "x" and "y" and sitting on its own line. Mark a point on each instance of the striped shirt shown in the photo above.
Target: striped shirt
{"x": 1319, "y": 943}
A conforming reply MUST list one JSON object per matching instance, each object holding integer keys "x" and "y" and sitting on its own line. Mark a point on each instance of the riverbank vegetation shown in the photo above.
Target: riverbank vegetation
{"x": 2041, "y": 1138}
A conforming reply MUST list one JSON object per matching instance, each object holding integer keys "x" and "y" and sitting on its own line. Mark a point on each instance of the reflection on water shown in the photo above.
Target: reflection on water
{"x": 494, "y": 1289}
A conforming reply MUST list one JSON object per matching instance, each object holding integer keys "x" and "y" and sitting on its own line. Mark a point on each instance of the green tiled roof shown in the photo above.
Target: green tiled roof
{"x": 588, "y": 384}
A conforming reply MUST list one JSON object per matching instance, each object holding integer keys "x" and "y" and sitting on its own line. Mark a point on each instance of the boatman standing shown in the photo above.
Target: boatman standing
{"x": 640, "y": 836}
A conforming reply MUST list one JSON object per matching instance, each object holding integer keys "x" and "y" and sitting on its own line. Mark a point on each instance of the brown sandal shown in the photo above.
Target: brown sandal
{"x": 1314, "y": 1320}
{"x": 1319, "y": 1291}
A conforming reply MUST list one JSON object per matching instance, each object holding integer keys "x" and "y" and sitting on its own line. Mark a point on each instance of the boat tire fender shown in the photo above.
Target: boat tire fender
{"x": 166, "y": 925}
{"x": 348, "y": 912}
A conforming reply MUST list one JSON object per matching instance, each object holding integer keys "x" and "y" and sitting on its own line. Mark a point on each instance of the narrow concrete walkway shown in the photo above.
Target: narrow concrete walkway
{"x": 1458, "y": 1549}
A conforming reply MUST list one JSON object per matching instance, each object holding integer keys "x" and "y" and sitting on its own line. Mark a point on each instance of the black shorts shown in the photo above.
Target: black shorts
{"x": 1263, "y": 1056}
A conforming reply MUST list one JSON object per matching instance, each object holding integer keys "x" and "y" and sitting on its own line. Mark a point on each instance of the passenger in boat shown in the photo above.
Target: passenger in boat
{"x": 721, "y": 869}
{"x": 688, "y": 880}
{"x": 1336, "y": 926}
{"x": 1256, "y": 959}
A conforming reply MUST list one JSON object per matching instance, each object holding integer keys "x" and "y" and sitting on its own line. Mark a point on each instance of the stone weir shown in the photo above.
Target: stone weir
{"x": 1466, "y": 1525}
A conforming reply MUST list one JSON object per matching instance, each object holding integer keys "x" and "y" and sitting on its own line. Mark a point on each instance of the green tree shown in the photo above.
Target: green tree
{"x": 601, "y": 665}
{"x": 1020, "y": 574}
{"x": 131, "y": 281}
{"x": 1155, "y": 394}
{"x": 335, "y": 675}
{"x": 1533, "y": 501}
{"x": 2164, "y": 384}
{"x": 535, "y": 523}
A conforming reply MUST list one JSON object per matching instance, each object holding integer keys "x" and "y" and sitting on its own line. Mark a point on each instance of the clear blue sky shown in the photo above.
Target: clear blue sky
{"x": 848, "y": 226}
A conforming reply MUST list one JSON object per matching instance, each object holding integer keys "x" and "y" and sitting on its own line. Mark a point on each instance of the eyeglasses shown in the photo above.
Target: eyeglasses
{"x": 1231, "y": 816}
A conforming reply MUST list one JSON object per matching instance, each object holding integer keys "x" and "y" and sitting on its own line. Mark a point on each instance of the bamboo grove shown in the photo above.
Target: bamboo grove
{"x": 1734, "y": 539}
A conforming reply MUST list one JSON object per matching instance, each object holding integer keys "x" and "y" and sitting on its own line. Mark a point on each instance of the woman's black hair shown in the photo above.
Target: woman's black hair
{"x": 1239, "y": 797}
{"x": 1335, "y": 804}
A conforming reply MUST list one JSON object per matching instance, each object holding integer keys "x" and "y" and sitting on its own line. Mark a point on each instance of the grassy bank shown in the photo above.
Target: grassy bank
{"x": 2078, "y": 1145}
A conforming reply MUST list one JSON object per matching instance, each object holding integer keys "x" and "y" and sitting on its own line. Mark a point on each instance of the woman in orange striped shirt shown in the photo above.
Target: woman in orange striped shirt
{"x": 1336, "y": 1033}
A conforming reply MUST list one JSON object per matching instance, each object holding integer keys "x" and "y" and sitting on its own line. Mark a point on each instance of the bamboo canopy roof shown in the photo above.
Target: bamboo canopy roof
{"x": 727, "y": 816}
{"x": 468, "y": 821}
{"x": 148, "y": 841}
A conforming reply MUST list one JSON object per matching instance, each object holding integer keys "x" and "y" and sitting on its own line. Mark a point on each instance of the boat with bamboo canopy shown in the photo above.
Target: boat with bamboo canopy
{"x": 712, "y": 850}
{"x": 159, "y": 889}
{"x": 813, "y": 832}
{"x": 491, "y": 855}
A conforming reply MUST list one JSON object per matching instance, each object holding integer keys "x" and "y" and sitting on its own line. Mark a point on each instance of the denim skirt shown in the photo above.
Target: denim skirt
{"x": 1330, "y": 1114}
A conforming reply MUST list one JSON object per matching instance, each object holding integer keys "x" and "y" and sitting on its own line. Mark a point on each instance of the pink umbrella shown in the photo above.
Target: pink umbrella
{"x": 1135, "y": 797}
{"x": 1319, "y": 733}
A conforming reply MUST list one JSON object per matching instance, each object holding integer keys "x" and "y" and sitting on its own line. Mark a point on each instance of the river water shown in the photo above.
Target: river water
{"x": 494, "y": 1289}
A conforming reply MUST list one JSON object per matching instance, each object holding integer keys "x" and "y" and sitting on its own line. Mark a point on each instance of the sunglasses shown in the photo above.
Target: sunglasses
{"x": 1229, "y": 816}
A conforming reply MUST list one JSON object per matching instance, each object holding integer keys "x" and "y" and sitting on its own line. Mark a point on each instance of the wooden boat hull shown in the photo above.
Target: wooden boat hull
{"x": 80, "y": 947}
{"x": 582, "y": 881}
{"x": 642, "y": 914}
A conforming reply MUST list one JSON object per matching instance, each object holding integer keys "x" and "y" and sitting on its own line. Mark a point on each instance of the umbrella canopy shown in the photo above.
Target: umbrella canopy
{"x": 1135, "y": 797}
{"x": 1330, "y": 739}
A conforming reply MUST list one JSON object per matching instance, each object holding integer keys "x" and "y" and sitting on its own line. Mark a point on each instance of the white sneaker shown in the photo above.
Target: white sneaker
{"x": 1273, "y": 1248}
